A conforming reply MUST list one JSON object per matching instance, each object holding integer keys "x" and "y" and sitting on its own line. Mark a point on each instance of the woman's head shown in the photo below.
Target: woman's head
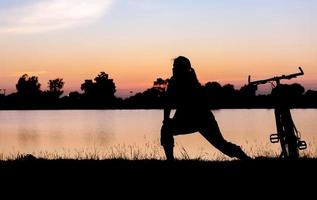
{"x": 183, "y": 72}
{"x": 181, "y": 65}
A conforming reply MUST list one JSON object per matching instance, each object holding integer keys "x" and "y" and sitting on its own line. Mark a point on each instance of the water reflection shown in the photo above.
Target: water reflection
{"x": 135, "y": 133}
{"x": 28, "y": 137}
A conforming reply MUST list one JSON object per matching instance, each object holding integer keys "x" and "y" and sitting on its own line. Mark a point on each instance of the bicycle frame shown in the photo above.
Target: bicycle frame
{"x": 287, "y": 134}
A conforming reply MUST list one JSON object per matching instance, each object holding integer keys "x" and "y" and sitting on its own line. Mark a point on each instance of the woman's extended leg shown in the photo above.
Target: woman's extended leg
{"x": 212, "y": 133}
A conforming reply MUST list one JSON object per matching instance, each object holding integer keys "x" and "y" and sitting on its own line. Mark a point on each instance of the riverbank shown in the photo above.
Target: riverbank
{"x": 261, "y": 177}
{"x": 259, "y": 168}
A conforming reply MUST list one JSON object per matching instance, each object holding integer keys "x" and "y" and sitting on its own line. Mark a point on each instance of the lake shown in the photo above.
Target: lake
{"x": 135, "y": 133}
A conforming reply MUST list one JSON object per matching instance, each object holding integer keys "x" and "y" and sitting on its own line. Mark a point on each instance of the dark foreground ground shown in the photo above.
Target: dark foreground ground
{"x": 266, "y": 176}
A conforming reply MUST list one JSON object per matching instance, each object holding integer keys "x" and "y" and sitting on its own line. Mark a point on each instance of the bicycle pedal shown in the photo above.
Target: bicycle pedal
{"x": 274, "y": 138}
{"x": 302, "y": 145}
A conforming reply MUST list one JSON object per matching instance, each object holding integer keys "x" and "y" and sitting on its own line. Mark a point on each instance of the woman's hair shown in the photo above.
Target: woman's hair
{"x": 182, "y": 70}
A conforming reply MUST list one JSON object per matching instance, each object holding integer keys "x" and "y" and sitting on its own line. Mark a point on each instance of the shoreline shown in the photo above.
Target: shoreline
{"x": 267, "y": 176}
{"x": 216, "y": 167}
{"x": 119, "y": 108}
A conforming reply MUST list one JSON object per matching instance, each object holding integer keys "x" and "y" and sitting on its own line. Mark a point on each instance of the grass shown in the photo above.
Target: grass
{"x": 150, "y": 151}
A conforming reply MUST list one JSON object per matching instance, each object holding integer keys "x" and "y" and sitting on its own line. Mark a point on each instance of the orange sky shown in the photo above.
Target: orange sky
{"x": 135, "y": 42}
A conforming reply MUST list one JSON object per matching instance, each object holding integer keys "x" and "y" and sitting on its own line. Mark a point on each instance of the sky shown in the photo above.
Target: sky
{"x": 135, "y": 41}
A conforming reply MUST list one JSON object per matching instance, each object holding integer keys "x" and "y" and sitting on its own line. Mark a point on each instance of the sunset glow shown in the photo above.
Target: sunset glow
{"x": 134, "y": 41}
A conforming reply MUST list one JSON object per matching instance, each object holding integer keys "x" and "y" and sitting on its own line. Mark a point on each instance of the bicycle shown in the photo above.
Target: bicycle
{"x": 287, "y": 134}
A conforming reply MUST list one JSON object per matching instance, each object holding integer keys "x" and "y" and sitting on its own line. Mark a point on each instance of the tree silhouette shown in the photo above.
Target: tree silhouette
{"x": 288, "y": 91}
{"x": 311, "y": 94}
{"x": 213, "y": 89}
{"x": 150, "y": 98}
{"x": 100, "y": 93}
{"x": 88, "y": 88}
{"x": 297, "y": 89}
{"x": 103, "y": 89}
{"x": 28, "y": 87}
{"x": 55, "y": 87}
{"x": 248, "y": 90}
{"x": 289, "y": 95}
{"x": 74, "y": 96}
{"x": 228, "y": 90}
{"x": 160, "y": 84}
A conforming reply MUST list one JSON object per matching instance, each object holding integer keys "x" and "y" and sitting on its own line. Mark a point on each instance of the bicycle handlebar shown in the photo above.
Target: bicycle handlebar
{"x": 276, "y": 78}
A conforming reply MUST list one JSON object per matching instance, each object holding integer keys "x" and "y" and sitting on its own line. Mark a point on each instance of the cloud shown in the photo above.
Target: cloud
{"x": 51, "y": 15}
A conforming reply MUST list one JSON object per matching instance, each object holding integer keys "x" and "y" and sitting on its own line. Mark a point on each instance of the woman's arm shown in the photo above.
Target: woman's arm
{"x": 167, "y": 112}
{"x": 167, "y": 99}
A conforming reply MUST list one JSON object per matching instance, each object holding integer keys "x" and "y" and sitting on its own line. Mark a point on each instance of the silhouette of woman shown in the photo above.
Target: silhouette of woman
{"x": 185, "y": 93}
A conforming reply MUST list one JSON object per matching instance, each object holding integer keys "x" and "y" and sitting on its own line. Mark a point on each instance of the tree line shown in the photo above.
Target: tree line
{"x": 99, "y": 93}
